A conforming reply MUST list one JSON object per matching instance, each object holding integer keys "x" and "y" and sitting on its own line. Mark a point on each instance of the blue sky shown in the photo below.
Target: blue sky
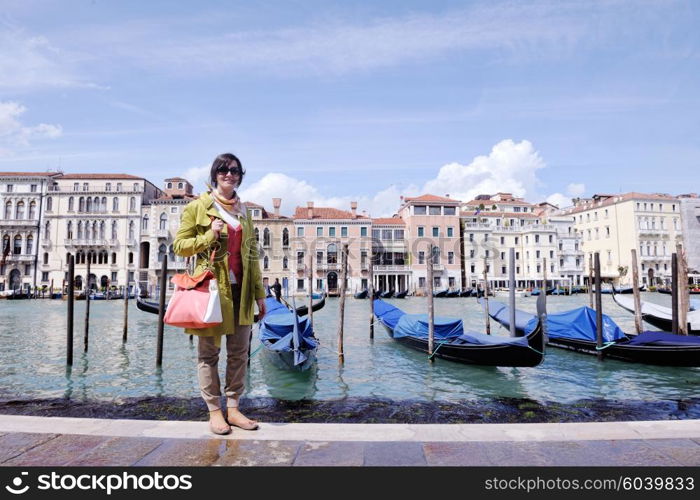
{"x": 339, "y": 101}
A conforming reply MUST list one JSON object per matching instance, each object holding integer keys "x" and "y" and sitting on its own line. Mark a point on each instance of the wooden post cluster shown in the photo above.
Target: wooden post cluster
{"x": 635, "y": 291}
{"x": 341, "y": 326}
{"x": 161, "y": 309}
{"x": 431, "y": 311}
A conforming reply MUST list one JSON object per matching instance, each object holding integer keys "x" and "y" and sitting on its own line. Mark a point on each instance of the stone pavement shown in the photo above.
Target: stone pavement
{"x": 58, "y": 441}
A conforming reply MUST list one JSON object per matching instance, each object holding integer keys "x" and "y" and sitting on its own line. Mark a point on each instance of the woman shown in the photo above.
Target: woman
{"x": 218, "y": 220}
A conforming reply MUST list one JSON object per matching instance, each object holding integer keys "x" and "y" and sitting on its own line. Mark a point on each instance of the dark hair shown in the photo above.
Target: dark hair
{"x": 225, "y": 160}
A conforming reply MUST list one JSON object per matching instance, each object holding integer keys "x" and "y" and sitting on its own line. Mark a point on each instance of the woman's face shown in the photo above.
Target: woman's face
{"x": 229, "y": 178}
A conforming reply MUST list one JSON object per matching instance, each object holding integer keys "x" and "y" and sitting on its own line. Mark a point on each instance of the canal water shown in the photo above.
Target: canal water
{"x": 33, "y": 350}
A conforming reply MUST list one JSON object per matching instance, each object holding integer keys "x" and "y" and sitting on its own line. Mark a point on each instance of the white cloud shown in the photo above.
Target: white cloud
{"x": 197, "y": 177}
{"x": 559, "y": 200}
{"x": 14, "y": 135}
{"x": 576, "y": 190}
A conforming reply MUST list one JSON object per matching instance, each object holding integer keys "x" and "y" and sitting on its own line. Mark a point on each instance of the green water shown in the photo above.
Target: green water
{"x": 33, "y": 351}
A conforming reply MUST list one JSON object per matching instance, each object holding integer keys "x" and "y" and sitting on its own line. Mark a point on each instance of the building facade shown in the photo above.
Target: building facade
{"x": 690, "y": 222}
{"x": 22, "y": 197}
{"x": 390, "y": 256}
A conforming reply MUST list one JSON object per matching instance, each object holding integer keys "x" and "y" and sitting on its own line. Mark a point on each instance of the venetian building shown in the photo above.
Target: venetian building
{"x": 96, "y": 218}
{"x": 274, "y": 233}
{"x": 569, "y": 251}
{"x": 321, "y": 232}
{"x": 21, "y": 202}
{"x": 160, "y": 221}
{"x": 690, "y": 221}
{"x": 390, "y": 261}
{"x": 433, "y": 220}
{"x": 614, "y": 224}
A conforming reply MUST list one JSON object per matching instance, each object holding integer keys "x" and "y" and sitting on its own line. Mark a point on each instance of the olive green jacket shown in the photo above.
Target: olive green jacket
{"x": 195, "y": 237}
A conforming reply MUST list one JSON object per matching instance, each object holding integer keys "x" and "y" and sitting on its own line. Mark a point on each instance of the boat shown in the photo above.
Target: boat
{"x": 315, "y": 306}
{"x": 153, "y": 307}
{"x": 467, "y": 292}
{"x": 659, "y": 316}
{"x": 56, "y": 295}
{"x": 576, "y": 330}
{"x": 535, "y": 292}
{"x": 441, "y": 293}
{"x": 288, "y": 341}
{"x": 362, "y": 294}
{"x": 451, "y": 342}
{"x": 557, "y": 291}
{"x": 504, "y": 292}
{"x": 98, "y": 296}
{"x": 452, "y": 293}
{"x": 401, "y": 295}
{"x": 387, "y": 295}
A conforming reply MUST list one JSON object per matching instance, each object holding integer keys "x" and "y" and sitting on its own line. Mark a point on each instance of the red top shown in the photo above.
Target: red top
{"x": 235, "y": 262}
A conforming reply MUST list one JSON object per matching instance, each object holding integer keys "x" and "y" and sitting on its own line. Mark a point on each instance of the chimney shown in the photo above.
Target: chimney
{"x": 353, "y": 209}
{"x": 447, "y": 195}
{"x": 310, "y": 209}
{"x": 276, "y": 203}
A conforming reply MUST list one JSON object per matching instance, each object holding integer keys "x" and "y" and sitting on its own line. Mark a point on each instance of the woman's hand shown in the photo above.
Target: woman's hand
{"x": 217, "y": 225}
{"x": 261, "y": 309}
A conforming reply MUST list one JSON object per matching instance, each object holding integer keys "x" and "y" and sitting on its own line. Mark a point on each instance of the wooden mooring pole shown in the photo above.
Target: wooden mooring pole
{"x": 370, "y": 291}
{"x": 598, "y": 309}
{"x": 87, "y": 305}
{"x": 511, "y": 292}
{"x": 311, "y": 288}
{"x": 590, "y": 280}
{"x": 487, "y": 319}
{"x": 161, "y": 309}
{"x": 71, "y": 304}
{"x": 126, "y": 313}
{"x": 431, "y": 310}
{"x": 635, "y": 291}
{"x": 674, "y": 293}
{"x": 683, "y": 292}
{"x": 344, "y": 261}
{"x": 544, "y": 280}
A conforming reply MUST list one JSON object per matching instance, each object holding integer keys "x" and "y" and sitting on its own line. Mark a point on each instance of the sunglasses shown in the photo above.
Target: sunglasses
{"x": 223, "y": 170}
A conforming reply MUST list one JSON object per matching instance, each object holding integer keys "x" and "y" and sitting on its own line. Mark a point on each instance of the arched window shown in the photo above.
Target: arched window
{"x": 71, "y": 204}
{"x": 131, "y": 257}
{"x": 266, "y": 262}
{"x": 30, "y": 244}
{"x": 285, "y": 237}
{"x": 47, "y": 231}
{"x": 285, "y": 263}
{"x": 131, "y": 230}
{"x": 144, "y": 223}
{"x": 115, "y": 204}
{"x": 6, "y": 244}
{"x": 92, "y": 257}
{"x": 132, "y": 204}
{"x": 114, "y": 230}
{"x": 102, "y": 230}
{"x": 103, "y": 205}
{"x": 163, "y": 223}
{"x": 8, "y": 210}
{"x": 46, "y": 257}
{"x": 88, "y": 207}
{"x": 179, "y": 185}
{"x": 94, "y": 230}
{"x": 68, "y": 254}
{"x": 18, "y": 245}
{"x": 81, "y": 204}
{"x": 266, "y": 237}
{"x": 171, "y": 253}
{"x": 69, "y": 230}
{"x": 32, "y": 210}
{"x": 19, "y": 210}
{"x": 162, "y": 249}
{"x": 257, "y": 235}
{"x": 49, "y": 203}
{"x": 114, "y": 258}
{"x": 332, "y": 252}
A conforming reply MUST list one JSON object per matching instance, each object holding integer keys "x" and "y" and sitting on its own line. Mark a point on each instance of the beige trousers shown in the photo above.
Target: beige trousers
{"x": 236, "y": 363}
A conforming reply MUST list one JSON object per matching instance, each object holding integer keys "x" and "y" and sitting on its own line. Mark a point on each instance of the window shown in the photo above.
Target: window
{"x": 450, "y": 257}
{"x": 30, "y": 244}
{"x": 285, "y": 237}
{"x": 437, "y": 282}
{"x": 503, "y": 269}
{"x": 131, "y": 260}
{"x": 257, "y": 235}
{"x": 144, "y": 223}
{"x": 486, "y": 254}
{"x": 421, "y": 282}
{"x": 332, "y": 254}
{"x": 537, "y": 238}
{"x": 387, "y": 234}
{"x": 343, "y": 232}
{"x": 115, "y": 204}
{"x": 136, "y": 187}
{"x": 173, "y": 210}
{"x": 597, "y": 233}
{"x": 551, "y": 238}
{"x": 363, "y": 231}
{"x": 108, "y": 186}
{"x": 162, "y": 250}
{"x": 537, "y": 254}
{"x": 300, "y": 284}
{"x": 85, "y": 186}
{"x": 300, "y": 232}
{"x": 472, "y": 268}
{"x": 419, "y": 210}
{"x": 114, "y": 229}
{"x": 266, "y": 237}
{"x": 285, "y": 263}
{"x": 32, "y": 188}
{"x": 517, "y": 240}
{"x": 607, "y": 231}
{"x": 132, "y": 204}
{"x": 450, "y": 232}
{"x": 9, "y": 188}
{"x": 331, "y": 232}
{"x": 517, "y": 255}
{"x": 180, "y": 185}
{"x": 449, "y": 210}
{"x": 119, "y": 186}
{"x": 114, "y": 259}
{"x": 436, "y": 232}
{"x": 319, "y": 231}
{"x": 266, "y": 262}
{"x": 421, "y": 257}
{"x": 131, "y": 230}
{"x": 300, "y": 258}
{"x": 486, "y": 238}
{"x": 163, "y": 221}
{"x": 471, "y": 254}
{"x": 76, "y": 186}
{"x": 19, "y": 210}
{"x": 421, "y": 231}
{"x": 17, "y": 249}
{"x": 44, "y": 276}
{"x": 434, "y": 210}
{"x": 319, "y": 258}
{"x": 32, "y": 210}
{"x": 27, "y": 269}
{"x": 471, "y": 236}
{"x": 551, "y": 254}
{"x": 398, "y": 234}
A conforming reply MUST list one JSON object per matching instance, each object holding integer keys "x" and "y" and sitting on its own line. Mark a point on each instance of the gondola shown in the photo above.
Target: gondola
{"x": 466, "y": 292}
{"x": 387, "y": 295}
{"x": 452, "y": 343}
{"x": 153, "y": 308}
{"x": 535, "y": 292}
{"x": 362, "y": 294}
{"x": 288, "y": 341}
{"x": 16, "y": 295}
{"x": 452, "y": 293}
{"x": 441, "y": 293}
{"x": 401, "y": 295}
{"x": 659, "y": 316}
{"x": 576, "y": 330}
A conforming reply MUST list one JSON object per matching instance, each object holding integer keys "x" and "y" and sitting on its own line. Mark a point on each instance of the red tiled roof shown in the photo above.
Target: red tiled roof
{"x": 623, "y": 197}
{"x": 389, "y": 220}
{"x": 431, "y": 197}
{"x": 495, "y": 202}
{"x": 527, "y": 215}
{"x": 102, "y": 176}
{"x": 324, "y": 213}
{"x": 176, "y": 179}
{"x": 28, "y": 174}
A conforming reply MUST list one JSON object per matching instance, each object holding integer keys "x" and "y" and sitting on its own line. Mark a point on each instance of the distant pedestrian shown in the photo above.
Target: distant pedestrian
{"x": 278, "y": 289}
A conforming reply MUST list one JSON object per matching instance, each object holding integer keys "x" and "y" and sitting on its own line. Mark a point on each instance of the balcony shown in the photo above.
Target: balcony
{"x": 653, "y": 231}
{"x": 45, "y": 243}
{"x": 476, "y": 225}
{"x": 656, "y": 258}
{"x": 20, "y": 257}
{"x": 538, "y": 227}
{"x": 132, "y": 242}
{"x": 328, "y": 267}
{"x": 85, "y": 242}
{"x": 162, "y": 233}
{"x": 385, "y": 268}
{"x": 19, "y": 222}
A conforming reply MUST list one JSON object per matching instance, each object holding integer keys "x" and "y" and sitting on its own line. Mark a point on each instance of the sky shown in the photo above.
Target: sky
{"x": 335, "y": 101}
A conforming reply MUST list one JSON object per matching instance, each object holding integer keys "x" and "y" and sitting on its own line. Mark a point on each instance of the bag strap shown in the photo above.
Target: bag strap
{"x": 211, "y": 257}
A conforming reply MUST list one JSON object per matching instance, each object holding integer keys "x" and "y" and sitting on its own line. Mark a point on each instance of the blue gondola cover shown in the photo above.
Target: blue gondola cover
{"x": 578, "y": 324}
{"x": 664, "y": 338}
{"x": 416, "y": 325}
{"x": 278, "y": 326}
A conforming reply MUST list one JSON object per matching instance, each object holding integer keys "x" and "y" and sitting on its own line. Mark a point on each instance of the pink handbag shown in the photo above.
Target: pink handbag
{"x": 195, "y": 302}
